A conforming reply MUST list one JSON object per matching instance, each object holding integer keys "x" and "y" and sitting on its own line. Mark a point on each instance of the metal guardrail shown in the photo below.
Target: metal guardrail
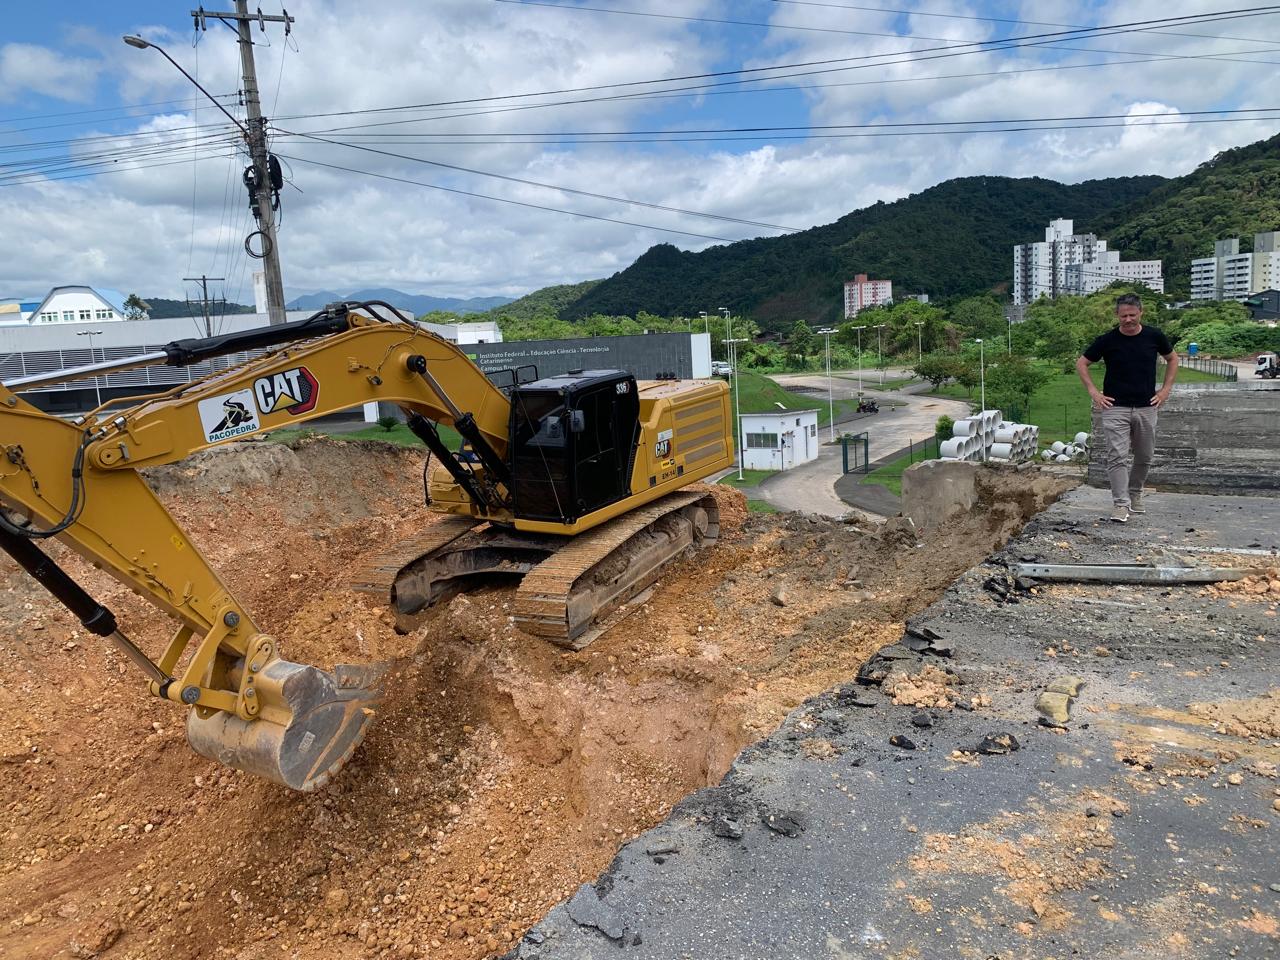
{"x": 1218, "y": 368}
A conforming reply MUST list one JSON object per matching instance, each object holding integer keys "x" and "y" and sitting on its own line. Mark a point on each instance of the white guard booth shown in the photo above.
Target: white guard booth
{"x": 779, "y": 441}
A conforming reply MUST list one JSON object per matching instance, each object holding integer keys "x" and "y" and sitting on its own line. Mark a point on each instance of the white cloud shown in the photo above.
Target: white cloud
{"x": 133, "y": 229}
{"x": 28, "y": 68}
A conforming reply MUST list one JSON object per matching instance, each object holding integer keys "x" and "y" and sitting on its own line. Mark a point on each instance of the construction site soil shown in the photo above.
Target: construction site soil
{"x": 501, "y": 773}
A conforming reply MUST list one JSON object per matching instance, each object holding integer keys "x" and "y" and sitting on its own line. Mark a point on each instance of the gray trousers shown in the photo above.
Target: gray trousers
{"x": 1130, "y": 437}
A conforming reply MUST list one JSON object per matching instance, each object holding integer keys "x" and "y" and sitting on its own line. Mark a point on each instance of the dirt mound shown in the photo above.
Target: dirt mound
{"x": 502, "y": 771}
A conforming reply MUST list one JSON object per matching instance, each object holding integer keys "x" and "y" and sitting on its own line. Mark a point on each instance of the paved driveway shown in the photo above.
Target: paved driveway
{"x": 811, "y": 488}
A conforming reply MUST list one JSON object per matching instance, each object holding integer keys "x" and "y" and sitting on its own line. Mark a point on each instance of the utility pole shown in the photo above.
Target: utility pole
{"x": 204, "y": 300}
{"x": 257, "y": 141}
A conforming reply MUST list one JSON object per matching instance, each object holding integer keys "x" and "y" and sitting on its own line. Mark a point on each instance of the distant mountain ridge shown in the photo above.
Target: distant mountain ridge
{"x": 418, "y": 303}
{"x": 953, "y": 238}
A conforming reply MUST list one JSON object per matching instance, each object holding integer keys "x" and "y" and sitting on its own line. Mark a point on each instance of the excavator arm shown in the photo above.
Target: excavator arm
{"x": 79, "y": 481}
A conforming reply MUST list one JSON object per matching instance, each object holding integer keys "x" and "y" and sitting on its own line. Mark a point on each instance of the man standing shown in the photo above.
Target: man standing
{"x": 1128, "y": 400}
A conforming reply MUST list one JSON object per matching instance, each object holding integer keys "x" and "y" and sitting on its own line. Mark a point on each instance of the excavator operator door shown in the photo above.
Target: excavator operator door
{"x": 573, "y": 441}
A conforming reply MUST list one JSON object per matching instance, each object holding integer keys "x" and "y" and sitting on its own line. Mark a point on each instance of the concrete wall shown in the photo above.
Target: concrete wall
{"x": 1212, "y": 438}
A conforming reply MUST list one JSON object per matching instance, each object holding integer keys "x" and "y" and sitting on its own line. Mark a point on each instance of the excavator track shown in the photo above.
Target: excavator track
{"x": 379, "y": 575}
{"x": 580, "y": 591}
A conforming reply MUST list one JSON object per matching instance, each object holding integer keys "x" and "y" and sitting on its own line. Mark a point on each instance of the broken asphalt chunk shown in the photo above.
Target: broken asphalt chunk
{"x": 727, "y": 828}
{"x": 997, "y": 744}
{"x": 588, "y": 910}
{"x": 1054, "y": 707}
{"x": 903, "y": 743}
{"x": 921, "y": 720}
{"x": 789, "y": 823}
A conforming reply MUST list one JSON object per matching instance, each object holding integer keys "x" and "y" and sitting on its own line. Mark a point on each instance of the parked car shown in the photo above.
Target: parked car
{"x": 721, "y": 368}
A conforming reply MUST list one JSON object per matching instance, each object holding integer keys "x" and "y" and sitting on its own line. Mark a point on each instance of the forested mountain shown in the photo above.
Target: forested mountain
{"x": 415, "y": 302}
{"x": 1236, "y": 194}
{"x": 954, "y": 238}
{"x": 544, "y": 303}
{"x": 162, "y": 309}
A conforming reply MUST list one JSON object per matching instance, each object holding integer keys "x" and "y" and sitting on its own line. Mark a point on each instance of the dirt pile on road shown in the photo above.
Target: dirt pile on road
{"x": 501, "y": 773}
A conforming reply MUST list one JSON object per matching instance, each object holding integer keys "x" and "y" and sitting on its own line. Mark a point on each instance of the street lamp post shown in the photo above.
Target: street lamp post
{"x": 255, "y": 137}
{"x": 731, "y": 347}
{"x": 859, "y": 329}
{"x": 97, "y": 390}
{"x": 919, "y": 340}
{"x": 879, "y": 353}
{"x": 705, "y": 327}
{"x": 982, "y": 379}
{"x": 831, "y": 414}
{"x": 1010, "y": 319}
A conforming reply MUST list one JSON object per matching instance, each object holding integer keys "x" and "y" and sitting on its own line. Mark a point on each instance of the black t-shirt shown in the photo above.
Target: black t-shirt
{"x": 1131, "y": 364}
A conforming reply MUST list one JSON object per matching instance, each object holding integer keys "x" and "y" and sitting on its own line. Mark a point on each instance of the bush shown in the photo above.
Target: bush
{"x": 388, "y": 423}
{"x": 942, "y": 429}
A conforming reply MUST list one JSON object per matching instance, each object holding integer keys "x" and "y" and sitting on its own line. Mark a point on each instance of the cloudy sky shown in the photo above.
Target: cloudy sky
{"x": 116, "y": 173}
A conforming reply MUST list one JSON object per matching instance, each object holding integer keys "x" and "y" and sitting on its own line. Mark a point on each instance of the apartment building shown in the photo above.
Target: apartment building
{"x": 1067, "y": 263}
{"x": 1232, "y": 275}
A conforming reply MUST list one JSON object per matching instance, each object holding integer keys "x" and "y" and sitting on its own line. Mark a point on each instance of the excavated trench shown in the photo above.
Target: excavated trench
{"x": 502, "y": 771}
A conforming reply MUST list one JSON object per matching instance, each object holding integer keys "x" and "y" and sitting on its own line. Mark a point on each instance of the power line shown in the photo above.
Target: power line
{"x": 786, "y": 26}
{"x": 1013, "y": 20}
{"x": 126, "y": 106}
{"x": 551, "y": 186}
{"x": 1112, "y": 28}
{"x": 518, "y": 203}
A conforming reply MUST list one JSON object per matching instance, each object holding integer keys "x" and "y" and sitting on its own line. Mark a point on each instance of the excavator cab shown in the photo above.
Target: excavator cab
{"x": 573, "y": 443}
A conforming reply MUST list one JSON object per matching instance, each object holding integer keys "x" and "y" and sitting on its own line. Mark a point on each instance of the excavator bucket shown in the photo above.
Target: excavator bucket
{"x": 310, "y": 723}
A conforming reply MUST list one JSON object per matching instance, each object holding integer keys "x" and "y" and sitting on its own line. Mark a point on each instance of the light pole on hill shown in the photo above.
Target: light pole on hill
{"x": 705, "y": 328}
{"x": 859, "y": 330}
{"x": 831, "y": 414}
{"x": 879, "y": 353}
{"x": 919, "y": 340}
{"x": 731, "y": 346}
{"x": 982, "y": 379}
{"x": 1010, "y": 319}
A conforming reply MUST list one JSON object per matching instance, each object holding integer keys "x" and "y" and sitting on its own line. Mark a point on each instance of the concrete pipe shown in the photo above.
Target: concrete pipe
{"x": 964, "y": 428}
{"x": 1082, "y": 438}
{"x": 1001, "y": 451}
{"x": 952, "y": 449}
{"x": 1006, "y": 434}
{"x": 1062, "y": 458}
{"x": 1057, "y": 446}
{"x": 1046, "y": 454}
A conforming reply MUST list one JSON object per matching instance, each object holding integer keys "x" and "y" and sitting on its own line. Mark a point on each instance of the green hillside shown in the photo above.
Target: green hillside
{"x": 1236, "y": 194}
{"x": 954, "y": 238}
{"x": 547, "y": 302}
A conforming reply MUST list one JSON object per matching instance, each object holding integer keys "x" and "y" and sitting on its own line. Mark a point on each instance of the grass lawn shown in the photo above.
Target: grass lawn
{"x": 398, "y": 434}
{"x": 759, "y": 394}
{"x": 750, "y": 478}
{"x": 890, "y": 474}
{"x": 897, "y": 384}
{"x": 1061, "y": 408}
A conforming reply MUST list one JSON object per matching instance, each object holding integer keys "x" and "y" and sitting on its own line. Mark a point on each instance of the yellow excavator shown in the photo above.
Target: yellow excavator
{"x": 570, "y": 482}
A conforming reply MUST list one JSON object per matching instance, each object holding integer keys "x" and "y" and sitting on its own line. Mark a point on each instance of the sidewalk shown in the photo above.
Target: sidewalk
{"x": 1147, "y": 824}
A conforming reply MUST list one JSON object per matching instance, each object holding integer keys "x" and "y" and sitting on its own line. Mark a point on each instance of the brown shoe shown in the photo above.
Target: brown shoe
{"x": 1120, "y": 513}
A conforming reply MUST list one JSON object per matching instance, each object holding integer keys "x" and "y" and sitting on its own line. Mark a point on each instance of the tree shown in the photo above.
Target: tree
{"x": 966, "y": 374}
{"x": 1011, "y": 381}
{"x": 801, "y": 344}
{"x": 135, "y": 308}
{"x": 937, "y": 368}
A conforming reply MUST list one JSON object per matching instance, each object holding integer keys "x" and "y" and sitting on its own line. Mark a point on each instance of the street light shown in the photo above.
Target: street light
{"x": 982, "y": 373}
{"x": 1010, "y": 319}
{"x": 919, "y": 340}
{"x": 879, "y": 353}
{"x": 705, "y": 328}
{"x": 144, "y": 44}
{"x": 860, "y": 329}
{"x": 831, "y": 415}
{"x": 91, "y": 334}
{"x": 731, "y": 345}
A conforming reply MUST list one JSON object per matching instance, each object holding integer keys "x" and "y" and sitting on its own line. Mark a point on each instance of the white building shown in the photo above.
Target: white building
{"x": 779, "y": 441}
{"x": 860, "y": 293}
{"x": 1067, "y": 263}
{"x": 69, "y": 304}
{"x": 465, "y": 333}
{"x": 1232, "y": 275}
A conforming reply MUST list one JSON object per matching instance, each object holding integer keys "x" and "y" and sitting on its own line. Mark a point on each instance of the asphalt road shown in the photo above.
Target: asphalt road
{"x": 810, "y": 488}
{"x": 1139, "y": 828}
